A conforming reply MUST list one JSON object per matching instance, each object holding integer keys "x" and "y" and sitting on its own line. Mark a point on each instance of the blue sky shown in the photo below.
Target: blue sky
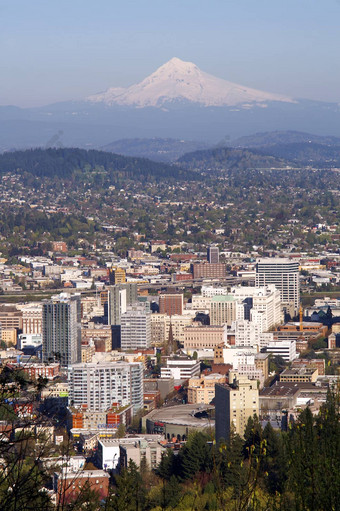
{"x": 67, "y": 49}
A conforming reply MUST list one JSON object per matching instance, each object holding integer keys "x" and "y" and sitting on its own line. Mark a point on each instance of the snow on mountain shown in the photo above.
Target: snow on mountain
{"x": 177, "y": 80}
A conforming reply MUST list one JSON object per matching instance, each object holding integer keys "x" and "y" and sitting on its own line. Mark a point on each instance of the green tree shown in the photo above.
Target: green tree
{"x": 129, "y": 492}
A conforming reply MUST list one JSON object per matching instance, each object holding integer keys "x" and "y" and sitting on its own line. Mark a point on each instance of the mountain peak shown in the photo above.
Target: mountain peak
{"x": 177, "y": 80}
{"x": 178, "y": 64}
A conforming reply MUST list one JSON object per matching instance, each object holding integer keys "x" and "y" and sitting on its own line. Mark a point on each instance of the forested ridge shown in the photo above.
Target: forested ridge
{"x": 226, "y": 158}
{"x": 306, "y": 153}
{"x": 63, "y": 163}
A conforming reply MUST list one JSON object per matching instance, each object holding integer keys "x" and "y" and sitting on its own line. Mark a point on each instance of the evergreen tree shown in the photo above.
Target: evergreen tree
{"x": 195, "y": 456}
{"x": 129, "y": 494}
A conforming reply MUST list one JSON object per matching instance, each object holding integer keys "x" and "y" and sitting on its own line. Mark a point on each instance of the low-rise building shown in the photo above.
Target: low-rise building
{"x": 202, "y": 389}
{"x": 68, "y": 485}
{"x": 109, "y": 453}
{"x": 140, "y": 452}
{"x": 180, "y": 368}
{"x": 204, "y": 336}
{"x": 284, "y": 349}
{"x": 87, "y": 352}
{"x": 299, "y": 375}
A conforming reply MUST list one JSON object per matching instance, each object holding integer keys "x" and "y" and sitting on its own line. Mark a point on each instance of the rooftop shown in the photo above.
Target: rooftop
{"x": 183, "y": 415}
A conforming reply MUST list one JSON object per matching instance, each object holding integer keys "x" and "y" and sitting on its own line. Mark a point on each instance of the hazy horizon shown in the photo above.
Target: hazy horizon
{"x": 69, "y": 50}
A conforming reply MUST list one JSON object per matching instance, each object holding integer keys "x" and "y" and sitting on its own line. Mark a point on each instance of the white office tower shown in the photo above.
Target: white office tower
{"x": 245, "y": 333}
{"x": 98, "y": 386}
{"x": 61, "y": 330}
{"x": 264, "y": 299}
{"x": 136, "y": 327}
{"x": 284, "y": 274}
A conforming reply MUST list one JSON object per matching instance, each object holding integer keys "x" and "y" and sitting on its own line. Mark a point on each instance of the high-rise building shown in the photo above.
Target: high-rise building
{"x": 61, "y": 330}
{"x": 224, "y": 309}
{"x": 213, "y": 254}
{"x": 234, "y": 404}
{"x": 262, "y": 299}
{"x": 171, "y": 303}
{"x": 119, "y": 297}
{"x": 284, "y": 274}
{"x": 99, "y": 386}
{"x": 136, "y": 327}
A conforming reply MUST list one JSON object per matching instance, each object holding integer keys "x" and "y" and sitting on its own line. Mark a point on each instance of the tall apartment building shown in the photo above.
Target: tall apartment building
{"x": 119, "y": 297}
{"x": 284, "y": 274}
{"x": 61, "y": 330}
{"x": 213, "y": 254}
{"x": 171, "y": 303}
{"x": 97, "y": 386}
{"x": 234, "y": 404}
{"x": 136, "y": 327}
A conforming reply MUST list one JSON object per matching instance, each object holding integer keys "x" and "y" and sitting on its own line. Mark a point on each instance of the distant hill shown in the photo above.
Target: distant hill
{"x": 226, "y": 158}
{"x": 65, "y": 163}
{"x": 306, "y": 153}
{"x": 280, "y": 137}
{"x": 158, "y": 149}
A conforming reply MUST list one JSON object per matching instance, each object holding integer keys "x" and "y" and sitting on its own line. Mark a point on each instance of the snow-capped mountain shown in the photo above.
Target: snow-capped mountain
{"x": 177, "y": 80}
{"x": 177, "y": 101}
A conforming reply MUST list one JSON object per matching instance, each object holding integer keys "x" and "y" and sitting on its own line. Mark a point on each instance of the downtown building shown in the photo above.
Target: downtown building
{"x": 136, "y": 327}
{"x": 171, "y": 304}
{"x": 235, "y": 404}
{"x": 119, "y": 297}
{"x": 61, "y": 330}
{"x": 284, "y": 275}
{"x": 97, "y": 386}
{"x": 213, "y": 254}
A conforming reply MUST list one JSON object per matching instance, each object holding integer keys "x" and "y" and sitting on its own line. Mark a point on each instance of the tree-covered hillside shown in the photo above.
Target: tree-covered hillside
{"x": 64, "y": 163}
{"x": 270, "y": 138}
{"x": 225, "y": 158}
{"x": 158, "y": 149}
{"x": 306, "y": 153}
